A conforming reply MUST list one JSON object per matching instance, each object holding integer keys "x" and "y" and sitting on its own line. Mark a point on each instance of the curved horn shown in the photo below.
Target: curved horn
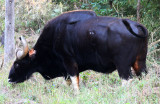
{"x": 22, "y": 53}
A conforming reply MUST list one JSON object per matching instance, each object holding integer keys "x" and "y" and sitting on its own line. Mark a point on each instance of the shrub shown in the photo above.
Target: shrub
{"x": 35, "y": 13}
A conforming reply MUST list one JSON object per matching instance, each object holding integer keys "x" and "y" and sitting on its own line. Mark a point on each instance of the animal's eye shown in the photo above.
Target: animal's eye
{"x": 16, "y": 65}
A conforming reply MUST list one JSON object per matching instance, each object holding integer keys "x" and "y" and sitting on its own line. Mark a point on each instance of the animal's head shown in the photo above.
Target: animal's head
{"x": 23, "y": 66}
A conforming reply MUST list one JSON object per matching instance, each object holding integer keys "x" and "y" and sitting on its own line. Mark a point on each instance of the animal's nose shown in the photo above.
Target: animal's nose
{"x": 9, "y": 80}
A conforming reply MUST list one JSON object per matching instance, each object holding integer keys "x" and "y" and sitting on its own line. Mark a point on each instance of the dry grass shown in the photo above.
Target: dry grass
{"x": 96, "y": 88}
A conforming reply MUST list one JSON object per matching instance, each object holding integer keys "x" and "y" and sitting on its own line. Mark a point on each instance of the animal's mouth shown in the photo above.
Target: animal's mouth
{"x": 11, "y": 81}
{"x": 15, "y": 81}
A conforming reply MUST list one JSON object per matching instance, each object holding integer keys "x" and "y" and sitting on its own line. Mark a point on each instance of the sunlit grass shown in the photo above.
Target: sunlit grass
{"x": 95, "y": 88}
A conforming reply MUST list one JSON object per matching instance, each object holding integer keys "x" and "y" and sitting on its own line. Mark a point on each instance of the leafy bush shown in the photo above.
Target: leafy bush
{"x": 31, "y": 13}
{"x": 34, "y": 13}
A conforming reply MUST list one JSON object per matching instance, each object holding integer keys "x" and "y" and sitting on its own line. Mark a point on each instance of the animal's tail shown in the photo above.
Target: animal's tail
{"x": 135, "y": 28}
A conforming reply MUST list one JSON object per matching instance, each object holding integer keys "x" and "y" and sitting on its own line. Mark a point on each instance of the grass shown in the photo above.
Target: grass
{"x": 95, "y": 88}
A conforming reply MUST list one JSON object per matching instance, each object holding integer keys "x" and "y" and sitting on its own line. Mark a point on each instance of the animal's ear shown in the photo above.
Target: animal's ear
{"x": 32, "y": 52}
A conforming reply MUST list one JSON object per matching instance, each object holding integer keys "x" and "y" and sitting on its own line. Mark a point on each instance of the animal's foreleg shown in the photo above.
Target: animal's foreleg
{"x": 72, "y": 69}
{"x": 68, "y": 80}
{"x": 75, "y": 82}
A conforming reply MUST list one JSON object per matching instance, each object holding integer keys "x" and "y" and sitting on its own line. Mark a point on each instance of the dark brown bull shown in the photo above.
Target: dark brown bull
{"x": 79, "y": 40}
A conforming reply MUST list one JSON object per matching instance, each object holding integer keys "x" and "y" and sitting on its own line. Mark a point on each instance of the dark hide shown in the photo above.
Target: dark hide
{"x": 76, "y": 41}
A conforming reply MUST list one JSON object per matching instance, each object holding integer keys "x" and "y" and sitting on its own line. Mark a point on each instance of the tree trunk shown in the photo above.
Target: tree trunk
{"x": 138, "y": 11}
{"x": 9, "y": 44}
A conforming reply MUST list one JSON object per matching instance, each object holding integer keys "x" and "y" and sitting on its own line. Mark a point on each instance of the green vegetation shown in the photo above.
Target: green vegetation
{"x": 96, "y": 88}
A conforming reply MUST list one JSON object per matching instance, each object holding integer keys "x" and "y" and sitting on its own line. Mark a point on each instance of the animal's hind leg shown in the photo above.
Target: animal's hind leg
{"x": 123, "y": 66}
{"x": 139, "y": 66}
{"x": 124, "y": 71}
